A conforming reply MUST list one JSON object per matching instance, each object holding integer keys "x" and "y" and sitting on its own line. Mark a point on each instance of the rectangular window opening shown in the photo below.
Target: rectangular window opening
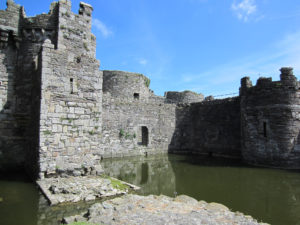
{"x": 136, "y": 96}
{"x": 265, "y": 129}
{"x": 72, "y": 85}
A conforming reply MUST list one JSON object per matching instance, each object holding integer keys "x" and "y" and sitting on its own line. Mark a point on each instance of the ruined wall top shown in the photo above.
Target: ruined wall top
{"x": 128, "y": 85}
{"x": 184, "y": 96}
{"x": 288, "y": 83}
{"x": 10, "y": 23}
{"x": 65, "y": 29}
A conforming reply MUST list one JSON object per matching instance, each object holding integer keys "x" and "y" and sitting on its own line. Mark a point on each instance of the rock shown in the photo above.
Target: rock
{"x": 217, "y": 206}
{"x": 149, "y": 210}
{"x": 90, "y": 198}
{"x": 186, "y": 199}
{"x": 99, "y": 170}
{"x": 74, "y": 189}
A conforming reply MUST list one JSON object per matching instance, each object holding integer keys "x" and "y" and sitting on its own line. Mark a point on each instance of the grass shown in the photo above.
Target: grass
{"x": 116, "y": 183}
{"x": 47, "y": 132}
{"x": 122, "y": 133}
{"x": 147, "y": 81}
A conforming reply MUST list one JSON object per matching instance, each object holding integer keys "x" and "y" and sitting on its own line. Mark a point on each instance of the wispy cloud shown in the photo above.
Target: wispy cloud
{"x": 99, "y": 25}
{"x": 225, "y": 78}
{"x": 244, "y": 9}
{"x": 143, "y": 62}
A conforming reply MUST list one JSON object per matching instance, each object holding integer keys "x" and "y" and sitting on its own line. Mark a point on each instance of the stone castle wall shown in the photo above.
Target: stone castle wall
{"x": 129, "y": 107}
{"x": 18, "y": 72}
{"x": 209, "y": 128}
{"x": 184, "y": 97}
{"x": 71, "y": 111}
{"x": 71, "y": 96}
{"x": 59, "y": 114}
{"x": 270, "y": 121}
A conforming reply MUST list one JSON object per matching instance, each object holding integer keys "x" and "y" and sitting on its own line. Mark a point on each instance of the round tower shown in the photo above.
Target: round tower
{"x": 126, "y": 85}
{"x": 184, "y": 96}
{"x": 270, "y": 120}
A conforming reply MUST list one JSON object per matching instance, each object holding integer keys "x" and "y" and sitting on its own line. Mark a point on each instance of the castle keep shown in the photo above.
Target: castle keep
{"x": 60, "y": 114}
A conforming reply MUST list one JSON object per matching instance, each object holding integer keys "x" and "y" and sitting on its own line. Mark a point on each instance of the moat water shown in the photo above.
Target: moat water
{"x": 269, "y": 195}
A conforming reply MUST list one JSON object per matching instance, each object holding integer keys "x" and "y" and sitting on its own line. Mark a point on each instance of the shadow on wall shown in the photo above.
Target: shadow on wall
{"x": 12, "y": 143}
{"x": 208, "y": 128}
{"x": 20, "y": 107}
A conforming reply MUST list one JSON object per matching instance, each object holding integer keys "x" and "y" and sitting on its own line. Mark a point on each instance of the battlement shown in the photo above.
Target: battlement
{"x": 65, "y": 29}
{"x": 265, "y": 87}
{"x": 85, "y": 9}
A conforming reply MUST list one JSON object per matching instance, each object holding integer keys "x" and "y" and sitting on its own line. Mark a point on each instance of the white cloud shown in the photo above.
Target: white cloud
{"x": 244, "y": 9}
{"x": 226, "y": 77}
{"x": 143, "y": 62}
{"x": 99, "y": 25}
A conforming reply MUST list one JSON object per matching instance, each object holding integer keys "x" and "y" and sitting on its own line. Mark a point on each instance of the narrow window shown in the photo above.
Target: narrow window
{"x": 72, "y": 85}
{"x": 145, "y": 136}
{"x": 136, "y": 96}
{"x": 265, "y": 129}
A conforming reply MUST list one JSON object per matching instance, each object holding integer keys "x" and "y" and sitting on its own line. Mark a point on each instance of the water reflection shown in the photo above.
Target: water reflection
{"x": 154, "y": 174}
{"x": 269, "y": 195}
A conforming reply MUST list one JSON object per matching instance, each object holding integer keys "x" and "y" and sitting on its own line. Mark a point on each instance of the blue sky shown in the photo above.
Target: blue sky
{"x": 200, "y": 45}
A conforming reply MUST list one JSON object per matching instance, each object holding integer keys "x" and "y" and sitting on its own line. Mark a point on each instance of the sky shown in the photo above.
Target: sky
{"x": 205, "y": 46}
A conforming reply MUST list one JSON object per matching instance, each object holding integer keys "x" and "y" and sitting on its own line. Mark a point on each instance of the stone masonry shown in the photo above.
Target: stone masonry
{"x": 60, "y": 114}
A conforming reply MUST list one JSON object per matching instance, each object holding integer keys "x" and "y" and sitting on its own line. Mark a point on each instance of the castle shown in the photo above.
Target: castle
{"x": 60, "y": 114}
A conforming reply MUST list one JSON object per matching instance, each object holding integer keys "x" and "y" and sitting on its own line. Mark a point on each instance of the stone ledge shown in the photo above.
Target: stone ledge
{"x": 86, "y": 188}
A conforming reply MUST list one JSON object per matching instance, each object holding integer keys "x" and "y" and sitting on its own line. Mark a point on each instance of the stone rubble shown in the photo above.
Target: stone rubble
{"x": 135, "y": 209}
{"x": 85, "y": 188}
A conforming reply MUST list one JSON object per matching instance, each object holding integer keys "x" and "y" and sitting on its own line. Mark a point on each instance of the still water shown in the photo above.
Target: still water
{"x": 269, "y": 195}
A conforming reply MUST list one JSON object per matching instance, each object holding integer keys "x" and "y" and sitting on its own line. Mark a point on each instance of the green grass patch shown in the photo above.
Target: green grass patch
{"x": 116, "y": 183}
{"x": 47, "y": 132}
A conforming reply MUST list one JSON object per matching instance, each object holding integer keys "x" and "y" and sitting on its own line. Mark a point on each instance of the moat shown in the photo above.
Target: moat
{"x": 269, "y": 195}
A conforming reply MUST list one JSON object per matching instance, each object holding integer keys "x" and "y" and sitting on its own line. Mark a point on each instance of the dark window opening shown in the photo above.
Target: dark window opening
{"x": 136, "y": 96}
{"x": 145, "y": 136}
{"x": 72, "y": 85}
{"x": 265, "y": 129}
{"x": 210, "y": 154}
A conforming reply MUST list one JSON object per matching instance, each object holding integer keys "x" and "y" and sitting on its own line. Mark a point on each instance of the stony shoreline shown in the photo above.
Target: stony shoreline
{"x": 149, "y": 210}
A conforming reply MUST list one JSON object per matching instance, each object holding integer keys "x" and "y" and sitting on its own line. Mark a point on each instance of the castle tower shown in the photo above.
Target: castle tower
{"x": 270, "y": 121}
